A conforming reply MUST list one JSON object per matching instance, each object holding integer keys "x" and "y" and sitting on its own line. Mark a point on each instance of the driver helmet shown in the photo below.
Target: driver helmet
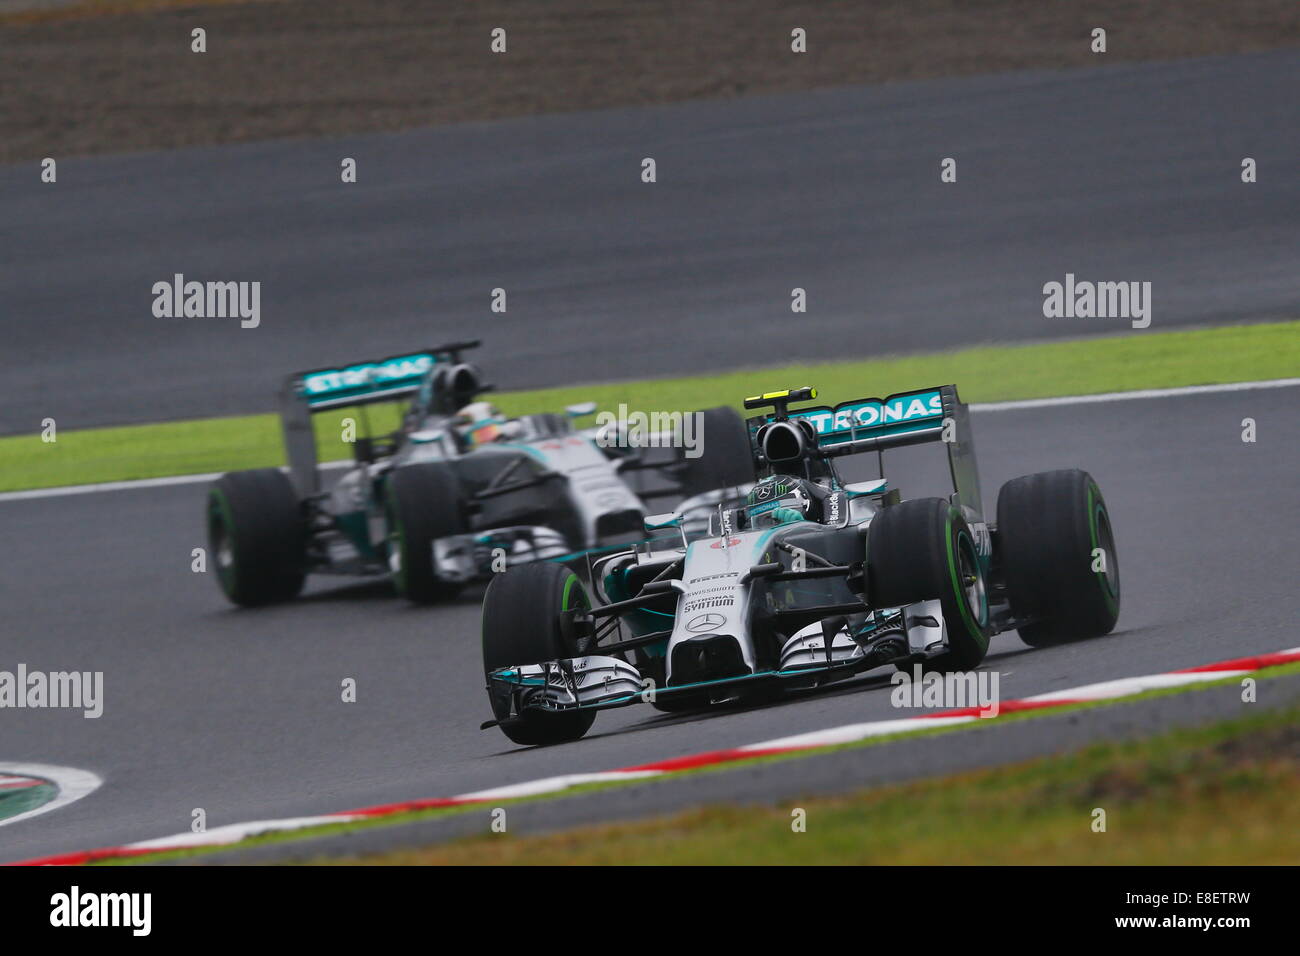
{"x": 480, "y": 423}
{"x": 778, "y": 499}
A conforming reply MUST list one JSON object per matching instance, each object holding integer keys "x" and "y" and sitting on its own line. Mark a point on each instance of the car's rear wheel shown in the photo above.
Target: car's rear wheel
{"x": 521, "y": 625}
{"x": 725, "y": 459}
{"x": 1057, "y": 551}
{"x": 256, "y": 536}
{"x": 423, "y": 505}
{"x": 921, "y": 550}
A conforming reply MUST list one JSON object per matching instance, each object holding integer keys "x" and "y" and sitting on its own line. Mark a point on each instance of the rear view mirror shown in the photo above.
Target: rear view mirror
{"x": 669, "y": 519}
{"x": 581, "y": 409}
{"x": 876, "y": 486}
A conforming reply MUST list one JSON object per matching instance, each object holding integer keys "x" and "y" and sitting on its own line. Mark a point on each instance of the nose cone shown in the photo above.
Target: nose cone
{"x": 711, "y": 635}
{"x": 704, "y": 658}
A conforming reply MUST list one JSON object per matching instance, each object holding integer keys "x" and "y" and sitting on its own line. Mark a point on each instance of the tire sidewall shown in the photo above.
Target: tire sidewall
{"x": 219, "y": 517}
{"x": 968, "y": 630}
{"x": 1103, "y": 538}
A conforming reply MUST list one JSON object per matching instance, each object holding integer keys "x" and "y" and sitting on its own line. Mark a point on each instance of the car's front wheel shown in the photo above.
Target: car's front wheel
{"x": 423, "y": 505}
{"x": 922, "y": 550}
{"x": 521, "y": 625}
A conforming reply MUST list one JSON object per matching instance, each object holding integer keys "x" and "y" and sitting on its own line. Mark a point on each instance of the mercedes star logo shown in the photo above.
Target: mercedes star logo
{"x": 705, "y": 622}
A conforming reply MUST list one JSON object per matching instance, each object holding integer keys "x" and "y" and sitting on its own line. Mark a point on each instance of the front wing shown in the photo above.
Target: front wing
{"x": 597, "y": 682}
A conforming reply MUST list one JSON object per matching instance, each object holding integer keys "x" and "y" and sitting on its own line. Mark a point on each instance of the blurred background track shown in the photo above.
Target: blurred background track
{"x": 1131, "y": 173}
{"x": 118, "y": 75}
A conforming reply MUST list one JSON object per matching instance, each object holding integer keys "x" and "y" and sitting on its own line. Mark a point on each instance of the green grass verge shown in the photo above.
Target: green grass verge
{"x": 1220, "y": 795}
{"x": 987, "y": 374}
{"x": 415, "y": 815}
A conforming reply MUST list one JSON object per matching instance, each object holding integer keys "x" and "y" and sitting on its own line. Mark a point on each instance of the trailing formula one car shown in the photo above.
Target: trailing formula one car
{"x": 805, "y": 580}
{"x": 459, "y": 491}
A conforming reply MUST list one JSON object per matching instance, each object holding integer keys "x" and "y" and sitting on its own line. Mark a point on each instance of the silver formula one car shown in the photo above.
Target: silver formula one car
{"x": 457, "y": 492}
{"x": 803, "y": 580}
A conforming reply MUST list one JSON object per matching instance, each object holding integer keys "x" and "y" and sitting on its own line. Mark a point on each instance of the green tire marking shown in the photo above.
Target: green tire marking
{"x": 958, "y": 591}
{"x": 568, "y": 588}
{"x": 1094, "y": 508}
{"x": 226, "y": 576}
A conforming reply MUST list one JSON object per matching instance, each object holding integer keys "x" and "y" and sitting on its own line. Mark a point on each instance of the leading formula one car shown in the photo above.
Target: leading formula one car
{"x": 457, "y": 492}
{"x": 805, "y": 580}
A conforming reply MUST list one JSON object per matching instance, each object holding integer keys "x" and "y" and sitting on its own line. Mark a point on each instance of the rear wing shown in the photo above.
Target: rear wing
{"x": 906, "y": 418}
{"x": 305, "y": 394}
{"x": 363, "y": 383}
{"x": 868, "y": 424}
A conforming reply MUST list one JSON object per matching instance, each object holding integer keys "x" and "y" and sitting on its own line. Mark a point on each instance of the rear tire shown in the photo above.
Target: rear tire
{"x": 256, "y": 536}
{"x": 1048, "y": 527}
{"x": 726, "y": 460}
{"x": 921, "y": 550}
{"x": 423, "y": 504}
{"x": 521, "y": 625}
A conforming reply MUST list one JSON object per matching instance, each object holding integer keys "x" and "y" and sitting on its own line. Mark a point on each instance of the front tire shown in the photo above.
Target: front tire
{"x": 521, "y": 625}
{"x": 423, "y": 505}
{"x": 1058, "y": 556}
{"x": 920, "y": 550}
{"x": 257, "y": 536}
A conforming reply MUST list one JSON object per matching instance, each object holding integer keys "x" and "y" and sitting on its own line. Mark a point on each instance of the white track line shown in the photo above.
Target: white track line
{"x": 235, "y": 832}
{"x": 850, "y": 733}
{"x": 535, "y": 788}
{"x": 1144, "y": 393}
{"x": 1134, "y": 685}
{"x": 1147, "y": 393}
{"x": 134, "y": 485}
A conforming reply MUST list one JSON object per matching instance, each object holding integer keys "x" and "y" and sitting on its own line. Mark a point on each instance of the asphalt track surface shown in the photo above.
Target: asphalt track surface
{"x": 766, "y": 783}
{"x": 239, "y": 712}
{"x": 1129, "y": 172}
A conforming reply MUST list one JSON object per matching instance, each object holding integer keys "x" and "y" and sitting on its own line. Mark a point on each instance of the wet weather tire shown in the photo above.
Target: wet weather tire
{"x": 424, "y": 504}
{"x": 1058, "y": 556}
{"x": 521, "y": 625}
{"x": 921, "y": 550}
{"x": 256, "y": 536}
